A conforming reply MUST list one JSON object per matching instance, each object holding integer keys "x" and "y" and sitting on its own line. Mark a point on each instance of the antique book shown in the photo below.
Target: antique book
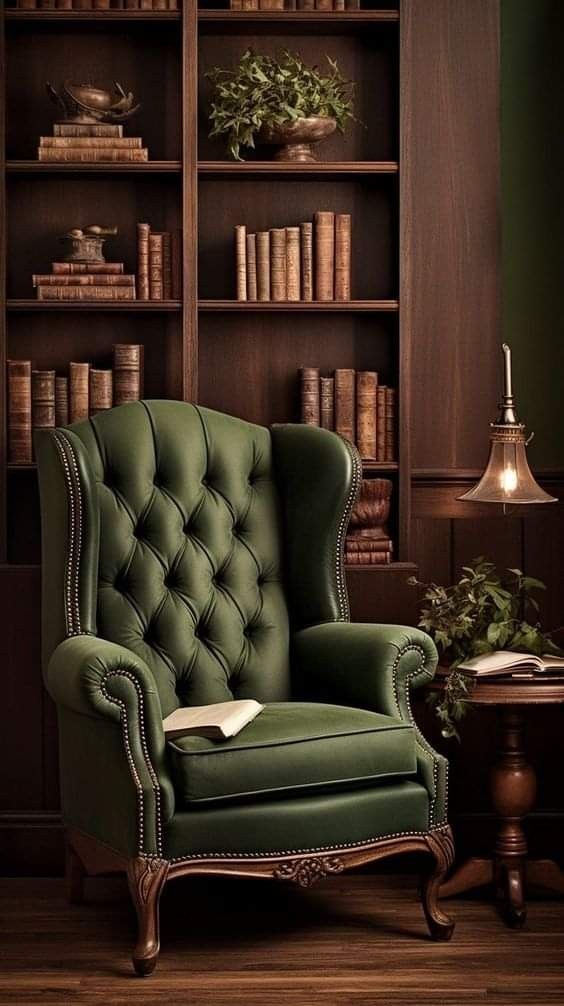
{"x": 145, "y": 4}
{"x": 19, "y": 412}
{"x": 241, "y": 261}
{"x": 278, "y": 264}
{"x": 271, "y": 4}
{"x": 63, "y": 4}
{"x": 327, "y": 399}
{"x": 46, "y": 4}
{"x": 90, "y": 142}
{"x": 368, "y": 544}
{"x": 92, "y": 268}
{"x": 128, "y": 373}
{"x": 78, "y": 391}
{"x": 338, "y": 4}
{"x": 293, "y": 267}
{"x": 92, "y": 154}
{"x": 290, "y": 5}
{"x": 160, "y": 5}
{"x": 250, "y": 5}
{"x": 83, "y": 279}
{"x": 101, "y": 4}
{"x": 101, "y": 391}
{"x": 508, "y": 662}
{"x": 166, "y": 263}
{"x": 366, "y": 384}
{"x": 352, "y": 4}
{"x": 42, "y": 399}
{"x": 87, "y": 129}
{"x": 251, "y": 240}
{"x": 143, "y": 231}
{"x": 131, "y": 4}
{"x": 155, "y": 266}
{"x": 344, "y": 403}
{"x": 176, "y": 263}
{"x": 82, "y": 4}
{"x": 381, "y": 423}
{"x": 368, "y": 558}
{"x": 309, "y": 395}
{"x": 217, "y": 722}
{"x": 306, "y": 249}
{"x": 324, "y": 5}
{"x": 263, "y": 265}
{"x": 324, "y": 255}
{"x": 390, "y": 425}
{"x": 61, "y": 401}
{"x": 86, "y": 293}
{"x": 306, "y": 4}
{"x": 342, "y": 256}
{"x": 27, "y": 4}
{"x": 236, "y": 4}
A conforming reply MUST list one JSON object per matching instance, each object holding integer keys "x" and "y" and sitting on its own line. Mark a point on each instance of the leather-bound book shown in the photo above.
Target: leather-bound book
{"x": 86, "y": 155}
{"x": 344, "y": 403}
{"x": 90, "y": 142}
{"x": 87, "y": 129}
{"x": 78, "y": 391}
{"x": 251, "y": 267}
{"x": 27, "y": 4}
{"x": 306, "y": 4}
{"x": 241, "y": 261}
{"x": 263, "y": 265}
{"x": 167, "y": 264}
{"x": 81, "y": 292}
{"x": 176, "y": 264}
{"x": 101, "y": 391}
{"x": 352, "y": 4}
{"x": 324, "y": 255}
{"x": 306, "y": 248}
{"x": 293, "y": 267}
{"x": 101, "y": 4}
{"x": 338, "y": 4}
{"x": 271, "y": 4}
{"x": 236, "y": 4}
{"x": 278, "y": 264}
{"x": 309, "y": 395}
{"x": 327, "y": 396}
{"x": 155, "y": 266}
{"x": 143, "y": 231}
{"x": 43, "y": 399}
{"x": 19, "y": 412}
{"x": 324, "y": 5}
{"x": 366, "y": 385}
{"x": 63, "y": 4}
{"x": 368, "y": 558}
{"x": 61, "y": 401}
{"x": 381, "y": 423}
{"x": 91, "y": 268}
{"x": 343, "y": 256}
{"x": 128, "y": 373}
{"x": 83, "y": 279}
{"x": 250, "y": 5}
{"x": 390, "y": 434}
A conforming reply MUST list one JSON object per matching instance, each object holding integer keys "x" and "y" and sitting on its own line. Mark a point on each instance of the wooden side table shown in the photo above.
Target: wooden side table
{"x": 513, "y": 789}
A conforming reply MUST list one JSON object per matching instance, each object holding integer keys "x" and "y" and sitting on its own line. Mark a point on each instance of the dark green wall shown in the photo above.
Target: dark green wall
{"x": 532, "y": 148}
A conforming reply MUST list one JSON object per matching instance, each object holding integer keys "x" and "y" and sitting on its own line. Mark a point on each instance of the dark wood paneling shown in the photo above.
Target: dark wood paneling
{"x": 385, "y": 596}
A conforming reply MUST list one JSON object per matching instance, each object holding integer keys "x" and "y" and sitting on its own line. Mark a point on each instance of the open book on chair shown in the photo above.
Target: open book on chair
{"x": 509, "y": 662}
{"x": 217, "y": 722}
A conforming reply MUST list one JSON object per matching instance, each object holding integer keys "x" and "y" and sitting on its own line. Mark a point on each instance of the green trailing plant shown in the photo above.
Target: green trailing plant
{"x": 271, "y": 91}
{"x": 481, "y": 613}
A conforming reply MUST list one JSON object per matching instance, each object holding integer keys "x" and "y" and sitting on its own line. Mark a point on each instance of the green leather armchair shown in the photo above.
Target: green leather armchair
{"x": 190, "y": 558}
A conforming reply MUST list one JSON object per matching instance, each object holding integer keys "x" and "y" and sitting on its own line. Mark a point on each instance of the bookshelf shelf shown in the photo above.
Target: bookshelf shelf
{"x": 281, "y": 169}
{"x": 124, "y": 307}
{"x": 333, "y": 306}
{"x": 386, "y": 567}
{"x": 370, "y": 467}
{"x": 294, "y": 22}
{"x": 73, "y": 16}
{"x": 14, "y": 167}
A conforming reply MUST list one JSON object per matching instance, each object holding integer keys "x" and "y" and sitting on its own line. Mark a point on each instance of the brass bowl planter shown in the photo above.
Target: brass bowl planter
{"x": 295, "y": 139}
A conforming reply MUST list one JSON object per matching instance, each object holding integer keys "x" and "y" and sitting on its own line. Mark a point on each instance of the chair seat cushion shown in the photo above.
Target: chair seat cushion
{"x": 292, "y": 747}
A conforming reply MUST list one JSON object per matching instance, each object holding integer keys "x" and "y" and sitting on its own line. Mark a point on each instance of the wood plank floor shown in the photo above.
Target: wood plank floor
{"x": 353, "y": 940}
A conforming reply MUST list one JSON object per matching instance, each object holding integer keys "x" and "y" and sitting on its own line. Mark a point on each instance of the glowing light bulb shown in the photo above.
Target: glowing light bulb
{"x": 508, "y": 479}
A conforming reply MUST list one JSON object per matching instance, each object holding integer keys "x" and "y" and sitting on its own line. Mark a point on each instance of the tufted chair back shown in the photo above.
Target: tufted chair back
{"x": 176, "y": 525}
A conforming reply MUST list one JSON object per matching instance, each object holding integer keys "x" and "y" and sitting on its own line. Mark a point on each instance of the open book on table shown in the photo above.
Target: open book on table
{"x": 508, "y": 662}
{"x": 217, "y": 722}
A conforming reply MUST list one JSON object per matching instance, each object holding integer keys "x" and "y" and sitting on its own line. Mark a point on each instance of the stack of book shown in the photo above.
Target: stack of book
{"x": 317, "y": 5}
{"x": 354, "y": 404}
{"x": 41, "y": 399}
{"x": 88, "y": 142}
{"x": 311, "y": 261}
{"x": 98, "y": 4}
{"x": 159, "y": 264}
{"x": 368, "y": 542}
{"x": 85, "y": 281}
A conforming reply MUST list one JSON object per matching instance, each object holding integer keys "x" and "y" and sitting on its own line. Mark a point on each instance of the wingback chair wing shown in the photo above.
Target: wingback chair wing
{"x": 190, "y": 558}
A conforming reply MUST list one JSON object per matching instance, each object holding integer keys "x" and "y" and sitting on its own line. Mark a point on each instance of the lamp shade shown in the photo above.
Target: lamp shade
{"x": 507, "y": 478}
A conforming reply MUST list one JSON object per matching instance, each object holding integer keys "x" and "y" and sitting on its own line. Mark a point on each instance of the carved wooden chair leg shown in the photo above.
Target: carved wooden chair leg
{"x": 146, "y": 877}
{"x": 441, "y": 846}
{"x": 74, "y": 874}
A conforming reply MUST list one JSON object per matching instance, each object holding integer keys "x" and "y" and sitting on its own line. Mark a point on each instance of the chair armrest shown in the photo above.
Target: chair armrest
{"x": 92, "y": 677}
{"x": 373, "y": 667}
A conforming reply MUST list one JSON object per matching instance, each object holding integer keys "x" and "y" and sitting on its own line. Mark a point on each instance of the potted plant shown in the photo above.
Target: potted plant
{"x": 278, "y": 100}
{"x": 480, "y": 613}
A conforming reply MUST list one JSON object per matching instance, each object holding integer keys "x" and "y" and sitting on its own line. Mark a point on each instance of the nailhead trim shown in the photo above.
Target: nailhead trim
{"x": 70, "y": 469}
{"x": 342, "y": 592}
{"x": 131, "y": 761}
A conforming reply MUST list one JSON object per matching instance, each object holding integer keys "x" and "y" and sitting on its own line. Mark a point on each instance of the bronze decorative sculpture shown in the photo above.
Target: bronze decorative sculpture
{"x": 84, "y": 103}
{"x": 86, "y": 244}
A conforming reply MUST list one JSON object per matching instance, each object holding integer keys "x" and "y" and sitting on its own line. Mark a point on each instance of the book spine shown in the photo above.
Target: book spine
{"x": 309, "y": 395}
{"x": 167, "y": 265}
{"x": 324, "y": 5}
{"x": 43, "y": 399}
{"x": 19, "y": 412}
{"x": 76, "y": 268}
{"x": 101, "y": 4}
{"x": 278, "y": 264}
{"x": 327, "y": 385}
{"x": 290, "y": 5}
{"x": 176, "y": 264}
{"x": 381, "y": 423}
{"x": 85, "y": 293}
{"x": 83, "y": 279}
{"x": 145, "y": 4}
{"x": 78, "y": 391}
{"x": 160, "y": 5}
{"x": 90, "y": 142}
{"x": 390, "y": 435}
{"x": 101, "y": 391}
{"x": 250, "y": 5}
{"x": 344, "y": 403}
{"x": 343, "y": 256}
{"x": 128, "y": 371}
{"x": 132, "y": 4}
{"x": 82, "y": 4}
{"x": 293, "y": 267}
{"x": 85, "y": 155}
{"x": 352, "y": 4}
{"x": 366, "y": 384}
{"x": 251, "y": 267}
{"x": 271, "y": 4}
{"x": 46, "y": 4}
{"x": 306, "y": 4}
{"x": 63, "y": 4}
{"x": 61, "y": 401}
{"x": 338, "y": 4}
{"x": 241, "y": 261}
{"x": 236, "y": 5}
{"x": 263, "y": 265}
{"x": 155, "y": 266}
{"x": 87, "y": 129}
{"x": 306, "y": 249}
{"x": 368, "y": 558}
{"x": 143, "y": 232}
{"x": 324, "y": 255}
{"x": 26, "y": 4}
